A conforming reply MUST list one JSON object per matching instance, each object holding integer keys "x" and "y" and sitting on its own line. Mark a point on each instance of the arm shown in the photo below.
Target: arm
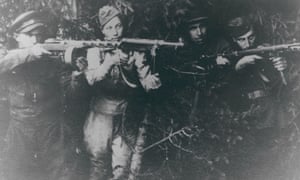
{"x": 19, "y": 56}
{"x": 148, "y": 80}
{"x": 223, "y": 47}
{"x": 97, "y": 71}
{"x": 246, "y": 61}
{"x": 13, "y": 59}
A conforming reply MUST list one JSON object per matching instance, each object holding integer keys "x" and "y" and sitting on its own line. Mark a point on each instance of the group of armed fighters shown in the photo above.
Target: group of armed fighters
{"x": 91, "y": 103}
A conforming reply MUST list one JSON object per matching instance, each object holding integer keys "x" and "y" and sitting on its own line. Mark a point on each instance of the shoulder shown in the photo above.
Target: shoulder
{"x": 220, "y": 44}
{"x": 17, "y": 55}
{"x": 18, "y": 51}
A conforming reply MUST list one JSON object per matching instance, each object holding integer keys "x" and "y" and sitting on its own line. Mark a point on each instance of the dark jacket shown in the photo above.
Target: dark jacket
{"x": 38, "y": 96}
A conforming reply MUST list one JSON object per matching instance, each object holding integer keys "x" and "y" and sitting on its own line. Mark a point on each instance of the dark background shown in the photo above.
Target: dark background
{"x": 221, "y": 146}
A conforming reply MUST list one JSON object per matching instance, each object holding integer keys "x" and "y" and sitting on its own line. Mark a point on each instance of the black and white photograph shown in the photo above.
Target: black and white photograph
{"x": 149, "y": 90}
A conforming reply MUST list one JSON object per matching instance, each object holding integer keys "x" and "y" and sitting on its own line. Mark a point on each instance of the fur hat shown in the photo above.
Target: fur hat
{"x": 107, "y": 13}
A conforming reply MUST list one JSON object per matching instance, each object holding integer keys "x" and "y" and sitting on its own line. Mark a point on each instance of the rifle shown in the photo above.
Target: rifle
{"x": 66, "y": 47}
{"x": 261, "y": 50}
{"x": 62, "y": 45}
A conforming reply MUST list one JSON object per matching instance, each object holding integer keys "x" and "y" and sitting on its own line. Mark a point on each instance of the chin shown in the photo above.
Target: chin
{"x": 113, "y": 39}
{"x": 201, "y": 42}
{"x": 245, "y": 48}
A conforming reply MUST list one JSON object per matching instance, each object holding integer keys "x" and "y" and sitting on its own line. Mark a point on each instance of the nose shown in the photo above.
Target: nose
{"x": 199, "y": 32}
{"x": 247, "y": 43}
{"x": 114, "y": 32}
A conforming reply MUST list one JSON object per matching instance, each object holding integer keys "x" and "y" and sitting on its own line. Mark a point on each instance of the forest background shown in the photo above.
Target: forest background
{"x": 219, "y": 143}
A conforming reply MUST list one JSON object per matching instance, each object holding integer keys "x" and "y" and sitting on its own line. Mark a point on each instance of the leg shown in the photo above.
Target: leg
{"x": 122, "y": 146}
{"x": 136, "y": 159}
{"x": 120, "y": 158}
{"x": 97, "y": 136}
{"x": 18, "y": 157}
{"x": 51, "y": 151}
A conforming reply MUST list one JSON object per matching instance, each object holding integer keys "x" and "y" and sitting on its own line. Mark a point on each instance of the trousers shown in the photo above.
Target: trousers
{"x": 108, "y": 141}
{"x": 33, "y": 153}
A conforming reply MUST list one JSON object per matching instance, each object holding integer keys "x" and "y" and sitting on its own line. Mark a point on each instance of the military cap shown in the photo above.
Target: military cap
{"x": 28, "y": 22}
{"x": 197, "y": 16}
{"x": 107, "y": 13}
{"x": 238, "y": 26}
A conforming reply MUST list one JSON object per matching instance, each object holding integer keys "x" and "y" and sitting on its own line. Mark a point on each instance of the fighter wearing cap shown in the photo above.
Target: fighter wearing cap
{"x": 34, "y": 82}
{"x": 192, "y": 87}
{"x": 255, "y": 94}
{"x": 115, "y": 76}
{"x": 200, "y": 39}
{"x": 258, "y": 78}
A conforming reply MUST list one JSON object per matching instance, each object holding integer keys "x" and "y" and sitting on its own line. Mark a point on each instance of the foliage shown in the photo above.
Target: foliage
{"x": 221, "y": 137}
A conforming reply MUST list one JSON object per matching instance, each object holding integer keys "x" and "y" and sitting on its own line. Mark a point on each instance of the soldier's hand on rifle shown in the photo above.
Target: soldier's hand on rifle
{"x": 246, "y": 60}
{"x": 139, "y": 59}
{"x": 152, "y": 82}
{"x": 111, "y": 58}
{"x": 279, "y": 63}
{"x": 37, "y": 51}
{"x": 222, "y": 61}
{"x": 81, "y": 64}
{"x": 124, "y": 57}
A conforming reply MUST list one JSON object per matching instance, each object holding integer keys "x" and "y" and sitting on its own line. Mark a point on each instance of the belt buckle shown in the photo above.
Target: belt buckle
{"x": 256, "y": 94}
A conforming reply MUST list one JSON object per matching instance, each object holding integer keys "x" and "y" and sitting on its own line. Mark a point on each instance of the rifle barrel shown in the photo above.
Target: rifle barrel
{"x": 57, "y": 45}
{"x": 151, "y": 42}
{"x": 261, "y": 50}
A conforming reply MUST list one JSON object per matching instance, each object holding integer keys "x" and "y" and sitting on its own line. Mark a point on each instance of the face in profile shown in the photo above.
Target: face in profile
{"x": 26, "y": 40}
{"x": 245, "y": 41}
{"x": 113, "y": 30}
{"x": 198, "y": 33}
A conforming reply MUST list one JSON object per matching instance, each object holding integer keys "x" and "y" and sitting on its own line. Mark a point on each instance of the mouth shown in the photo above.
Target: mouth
{"x": 199, "y": 40}
{"x": 113, "y": 39}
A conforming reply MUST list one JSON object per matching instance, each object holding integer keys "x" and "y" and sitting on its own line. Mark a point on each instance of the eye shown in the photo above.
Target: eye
{"x": 251, "y": 38}
{"x": 119, "y": 26}
{"x": 241, "y": 39}
{"x": 108, "y": 28}
{"x": 193, "y": 28}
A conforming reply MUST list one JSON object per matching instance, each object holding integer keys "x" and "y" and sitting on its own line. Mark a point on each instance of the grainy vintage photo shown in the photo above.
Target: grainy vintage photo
{"x": 149, "y": 90}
